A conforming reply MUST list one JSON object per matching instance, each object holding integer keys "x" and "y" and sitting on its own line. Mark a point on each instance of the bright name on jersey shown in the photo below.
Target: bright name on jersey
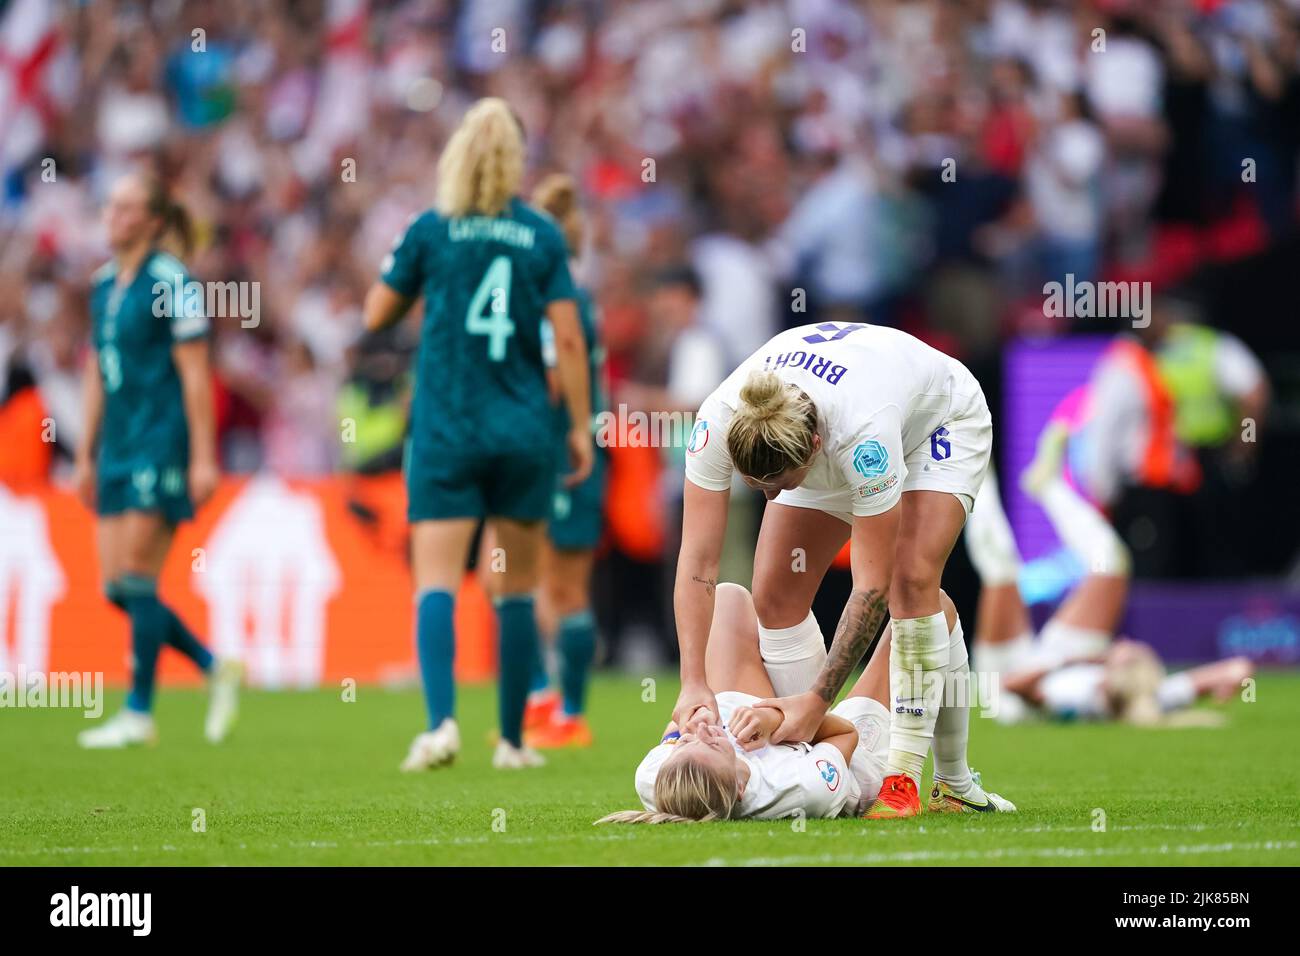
{"x": 810, "y": 361}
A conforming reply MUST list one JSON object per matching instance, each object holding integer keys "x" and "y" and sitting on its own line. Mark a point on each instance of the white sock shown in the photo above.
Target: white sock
{"x": 1059, "y": 643}
{"x": 918, "y": 656}
{"x": 989, "y": 540}
{"x": 951, "y": 728}
{"x": 792, "y": 656}
{"x": 1004, "y": 657}
{"x": 1084, "y": 529}
{"x": 1176, "y": 692}
{"x": 951, "y": 734}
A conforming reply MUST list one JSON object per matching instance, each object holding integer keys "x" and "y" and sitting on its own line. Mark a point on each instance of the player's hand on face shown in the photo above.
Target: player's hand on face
{"x": 703, "y": 724}
{"x": 83, "y": 482}
{"x": 801, "y": 715}
{"x": 693, "y": 698}
{"x": 582, "y": 455}
{"x": 204, "y": 476}
{"x": 749, "y": 728}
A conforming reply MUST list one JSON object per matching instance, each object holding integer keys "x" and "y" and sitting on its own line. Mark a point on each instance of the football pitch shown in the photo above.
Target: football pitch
{"x": 310, "y": 779}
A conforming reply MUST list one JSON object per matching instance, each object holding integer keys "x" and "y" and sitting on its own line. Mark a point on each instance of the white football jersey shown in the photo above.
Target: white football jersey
{"x": 883, "y": 398}
{"x": 783, "y": 778}
{"x": 1076, "y": 692}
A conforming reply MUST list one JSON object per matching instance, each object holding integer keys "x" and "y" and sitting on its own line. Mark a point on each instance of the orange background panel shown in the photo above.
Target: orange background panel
{"x": 366, "y": 629}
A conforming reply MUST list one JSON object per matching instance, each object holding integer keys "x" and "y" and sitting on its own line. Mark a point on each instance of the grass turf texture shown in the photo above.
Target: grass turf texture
{"x": 310, "y": 779}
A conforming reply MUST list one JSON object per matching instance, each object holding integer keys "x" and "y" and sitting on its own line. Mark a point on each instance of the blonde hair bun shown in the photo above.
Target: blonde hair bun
{"x": 773, "y": 429}
{"x": 764, "y": 394}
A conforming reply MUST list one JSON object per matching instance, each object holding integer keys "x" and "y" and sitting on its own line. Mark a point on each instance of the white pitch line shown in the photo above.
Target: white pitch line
{"x": 924, "y": 856}
{"x": 739, "y": 832}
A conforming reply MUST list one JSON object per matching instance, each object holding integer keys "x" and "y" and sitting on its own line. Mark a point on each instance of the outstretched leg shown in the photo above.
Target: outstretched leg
{"x": 1003, "y": 630}
{"x": 1088, "y": 619}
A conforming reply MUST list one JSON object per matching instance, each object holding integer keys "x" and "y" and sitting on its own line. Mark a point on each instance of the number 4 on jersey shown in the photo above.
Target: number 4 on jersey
{"x": 489, "y": 310}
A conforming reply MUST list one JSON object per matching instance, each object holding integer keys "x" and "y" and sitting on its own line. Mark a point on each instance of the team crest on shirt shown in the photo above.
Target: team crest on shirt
{"x": 830, "y": 773}
{"x": 699, "y": 437}
{"x": 870, "y": 459}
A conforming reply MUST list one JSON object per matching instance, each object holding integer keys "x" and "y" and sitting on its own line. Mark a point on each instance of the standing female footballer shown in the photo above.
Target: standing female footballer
{"x": 481, "y": 442}
{"x": 148, "y": 455}
{"x": 850, "y": 430}
{"x": 573, "y": 531}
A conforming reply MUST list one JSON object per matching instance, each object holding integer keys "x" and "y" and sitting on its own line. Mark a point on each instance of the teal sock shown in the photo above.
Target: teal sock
{"x": 539, "y": 680}
{"x": 519, "y": 649}
{"x": 178, "y": 635}
{"x": 577, "y": 643}
{"x": 149, "y": 627}
{"x": 435, "y": 645}
{"x": 113, "y": 591}
{"x": 182, "y": 638}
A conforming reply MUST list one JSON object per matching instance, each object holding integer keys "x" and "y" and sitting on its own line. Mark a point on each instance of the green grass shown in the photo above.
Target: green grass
{"x": 309, "y": 779}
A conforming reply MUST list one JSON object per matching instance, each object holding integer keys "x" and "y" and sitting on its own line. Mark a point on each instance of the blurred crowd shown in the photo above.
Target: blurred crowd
{"x": 925, "y": 163}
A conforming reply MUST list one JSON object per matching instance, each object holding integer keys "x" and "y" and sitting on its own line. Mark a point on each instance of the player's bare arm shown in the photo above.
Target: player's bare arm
{"x": 384, "y": 306}
{"x": 92, "y": 403}
{"x": 575, "y": 385}
{"x": 196, "y": 392}
{"x": 704, "y": 522}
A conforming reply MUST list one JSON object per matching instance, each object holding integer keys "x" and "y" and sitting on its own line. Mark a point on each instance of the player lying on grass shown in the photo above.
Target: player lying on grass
{"x": 724, "y": 766}
{"x": 1075, "y": 667}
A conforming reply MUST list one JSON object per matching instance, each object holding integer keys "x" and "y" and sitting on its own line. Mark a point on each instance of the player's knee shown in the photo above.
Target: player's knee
{"x": 777, "y": 607}
{"x": 733, "y": 602}
{"x": 566, "y": 597}
{"x": 914, "y": 582}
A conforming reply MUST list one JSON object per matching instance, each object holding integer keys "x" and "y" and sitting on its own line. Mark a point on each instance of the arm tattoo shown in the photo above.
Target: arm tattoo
{"x": 710, "y": 584}
{"x": 863, "y": 618}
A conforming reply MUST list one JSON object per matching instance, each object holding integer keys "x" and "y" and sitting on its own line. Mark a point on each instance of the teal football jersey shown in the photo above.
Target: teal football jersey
{"x": 134, "y": 327}
{"x": 486, "y": 282}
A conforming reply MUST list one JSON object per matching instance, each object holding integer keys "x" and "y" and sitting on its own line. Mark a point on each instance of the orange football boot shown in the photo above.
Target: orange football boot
{"x": 562, "y": 732}
{"x": 898, "y": 798}
{"x": 541, "y": 709}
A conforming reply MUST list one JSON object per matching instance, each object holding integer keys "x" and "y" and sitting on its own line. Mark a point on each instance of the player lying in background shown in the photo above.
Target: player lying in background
{"x": 721, "y": 767}
{"x": 1075, "y": 668}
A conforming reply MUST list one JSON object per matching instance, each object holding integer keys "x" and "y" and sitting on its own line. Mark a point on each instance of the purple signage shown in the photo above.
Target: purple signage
{"x": 1037, "y": 374}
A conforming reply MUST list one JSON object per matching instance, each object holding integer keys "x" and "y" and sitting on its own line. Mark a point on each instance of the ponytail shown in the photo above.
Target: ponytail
{"x": 644, "y": 816}
{"x": 174, "y": 219}
{"x": 557, "y": 195}
{"x": 482, "y": 164}
{"x": 773, "y": 428}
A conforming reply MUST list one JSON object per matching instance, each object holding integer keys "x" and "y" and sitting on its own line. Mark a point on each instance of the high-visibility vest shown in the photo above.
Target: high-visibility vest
{"x": 1161, "y": 465}
{"x": 1202, "y": 413}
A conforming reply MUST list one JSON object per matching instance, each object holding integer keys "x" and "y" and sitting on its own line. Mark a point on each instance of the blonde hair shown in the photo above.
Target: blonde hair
{"x": 483, "y": 163}
{"x": 557, "y": 195}
{"x": 772, "y": 431}
{"x": 686, "y": 791}
{"x": 1132, "y": 679}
